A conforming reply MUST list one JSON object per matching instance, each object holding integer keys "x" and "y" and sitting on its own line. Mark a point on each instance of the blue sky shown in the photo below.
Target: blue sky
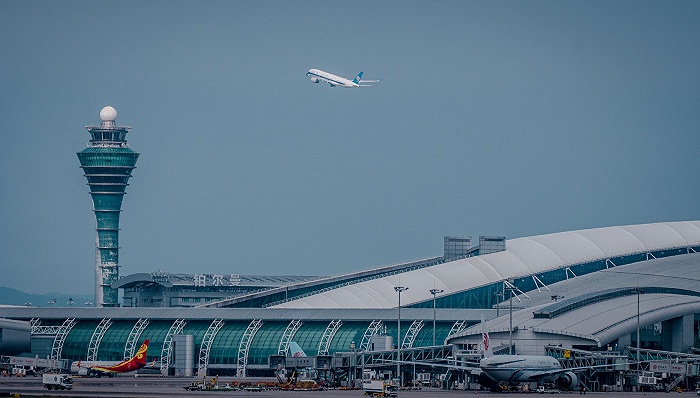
{"x": 511, "y": 118}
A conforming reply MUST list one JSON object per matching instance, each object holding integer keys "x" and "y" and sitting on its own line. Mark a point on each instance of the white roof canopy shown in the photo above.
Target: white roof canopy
{"x": 522, "y": 257}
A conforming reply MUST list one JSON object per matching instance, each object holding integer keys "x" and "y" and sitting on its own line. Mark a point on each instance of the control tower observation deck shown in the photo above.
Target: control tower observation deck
{"x": 107, "y": 163}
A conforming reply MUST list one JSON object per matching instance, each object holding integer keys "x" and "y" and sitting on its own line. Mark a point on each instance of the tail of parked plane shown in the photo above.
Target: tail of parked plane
{"x": 294, "y": 348}
{"x": 488, "y": 352}
{"x": 358, "y": 78}
{"x": 134, "y": 363}
{"x": 140, "y": 357}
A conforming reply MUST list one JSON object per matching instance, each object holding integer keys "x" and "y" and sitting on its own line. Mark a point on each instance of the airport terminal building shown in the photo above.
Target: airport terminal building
{"x": 579, "y": 291}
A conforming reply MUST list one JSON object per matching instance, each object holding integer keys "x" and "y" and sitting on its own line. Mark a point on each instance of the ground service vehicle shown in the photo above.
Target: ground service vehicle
{"x": 57, "y": 381}
{"x": 378, "y": 388}
{"x": 19, "y": 372}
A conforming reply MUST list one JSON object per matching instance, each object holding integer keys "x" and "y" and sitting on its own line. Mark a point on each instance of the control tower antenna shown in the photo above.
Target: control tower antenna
{"x": 107, "y": 162}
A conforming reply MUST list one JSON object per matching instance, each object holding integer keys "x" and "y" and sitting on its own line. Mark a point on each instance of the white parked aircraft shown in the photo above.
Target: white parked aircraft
{"x": 496, "y": 371}
{"x": 317, "y": 76}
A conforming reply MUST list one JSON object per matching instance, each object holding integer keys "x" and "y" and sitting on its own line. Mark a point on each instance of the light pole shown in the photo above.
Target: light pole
{"x": 399, "y": 289}
{"x": 638, "y": 291}
{"x": 498, "y": 296}
{"x": 434, "y": 292}
{"x": 353, "y": 364}
{"x": 510, "y": 287}
{"x": 362, "y": 352}
{"x": 510, "y": 329}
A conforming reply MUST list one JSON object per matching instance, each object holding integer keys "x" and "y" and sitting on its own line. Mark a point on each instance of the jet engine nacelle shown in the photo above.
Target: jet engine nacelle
{"x": 83, "y": 371}
{"x": 314, "y": 80}
{"x": 567, "y": 381}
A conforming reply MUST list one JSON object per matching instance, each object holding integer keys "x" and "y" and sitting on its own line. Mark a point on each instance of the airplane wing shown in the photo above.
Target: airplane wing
{"x": 477, "y": 369}
{"x": 552, "y": 372}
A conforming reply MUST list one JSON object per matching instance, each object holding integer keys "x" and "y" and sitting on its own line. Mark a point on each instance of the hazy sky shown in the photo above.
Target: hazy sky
{"x": 494, "y": 118}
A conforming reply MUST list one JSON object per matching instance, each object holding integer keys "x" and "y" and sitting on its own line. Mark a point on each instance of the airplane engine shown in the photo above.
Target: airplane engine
{"x": 314, "y": 80}
{"x": 83, "y": 371}
{"x": 567, "y": 381}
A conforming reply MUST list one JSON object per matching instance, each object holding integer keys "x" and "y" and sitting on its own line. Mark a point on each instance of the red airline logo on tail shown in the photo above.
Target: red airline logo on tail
{"x": 136, "y": 362}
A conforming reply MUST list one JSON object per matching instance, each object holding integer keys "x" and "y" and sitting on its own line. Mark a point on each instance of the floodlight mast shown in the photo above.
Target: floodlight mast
{"x": 639, "y": 292}
{"x": 399, "y": 289}
{"x": 435, "y": 292}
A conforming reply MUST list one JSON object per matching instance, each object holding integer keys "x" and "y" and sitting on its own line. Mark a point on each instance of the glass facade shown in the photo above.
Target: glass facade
{"x": 266, "y": 342}
{"x": 114, "y": 340}
{"x": 348, "y": 333}
{"x": 457, "y": 246}
{"x": 650, "y": 337}
{"x": 224, "y": 349}
{"x": 491, "y": 244}
{"x": 76, "y": 345}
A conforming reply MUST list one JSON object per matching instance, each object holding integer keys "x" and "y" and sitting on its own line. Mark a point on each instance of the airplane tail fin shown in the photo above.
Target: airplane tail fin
{"x": 295, "y": 350}
{"x": 357, "y": 79}
{"x": 140, "y": 357}
{"x": 488, "y": 352}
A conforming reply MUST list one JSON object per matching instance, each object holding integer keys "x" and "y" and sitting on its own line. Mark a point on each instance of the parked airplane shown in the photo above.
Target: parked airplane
{"x": 295, "y": 350}
{"x": 497, "y": 369}
{"x": 110, "y": 368}
{"x": 317, "y": 76}
{"x": 301, "y": 373}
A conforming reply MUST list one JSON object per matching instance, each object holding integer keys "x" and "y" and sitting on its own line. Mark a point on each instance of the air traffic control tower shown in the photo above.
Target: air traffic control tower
{"x": 107, "y": 163}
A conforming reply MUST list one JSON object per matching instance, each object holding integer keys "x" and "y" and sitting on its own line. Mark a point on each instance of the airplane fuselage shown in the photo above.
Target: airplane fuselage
{"x": 317, "y": 76}
{"x": 83, "y": 366}
{"x": 96, "y": 368}
{"x": 90, "y": 368}
{"x": 518, "y": 368}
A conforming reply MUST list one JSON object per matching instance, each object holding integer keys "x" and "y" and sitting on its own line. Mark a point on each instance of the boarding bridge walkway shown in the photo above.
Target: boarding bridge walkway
{"x": 37, "y": 364}
{"x": 646, "y": 355}
{"x": 436, "y": 354}
{"x": 680, "y": 364}
{"x": 574, "y": 358}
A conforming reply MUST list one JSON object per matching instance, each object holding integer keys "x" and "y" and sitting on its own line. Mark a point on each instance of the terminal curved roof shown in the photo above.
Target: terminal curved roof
{"x": 602, "y": 306}
{"x": 522, "y": 257}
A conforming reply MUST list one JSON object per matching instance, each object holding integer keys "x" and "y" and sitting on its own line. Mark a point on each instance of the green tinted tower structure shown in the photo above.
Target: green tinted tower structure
{"x": 107, "y": 162}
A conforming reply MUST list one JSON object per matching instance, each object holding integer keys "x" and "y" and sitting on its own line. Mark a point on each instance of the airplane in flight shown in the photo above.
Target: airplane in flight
{"x": 317, "y": 75}
{"x": 110, "y": 368}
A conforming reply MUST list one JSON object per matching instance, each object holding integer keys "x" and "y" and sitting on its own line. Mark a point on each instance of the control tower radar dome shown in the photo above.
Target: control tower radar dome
{"x": 108, "y": 114}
